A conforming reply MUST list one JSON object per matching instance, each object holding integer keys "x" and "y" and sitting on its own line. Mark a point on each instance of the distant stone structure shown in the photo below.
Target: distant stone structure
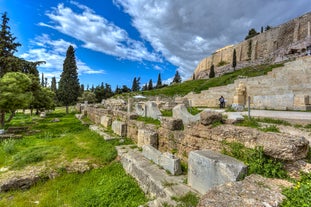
{"x": 285, "y": 42}
{"x": 284, "y": 88}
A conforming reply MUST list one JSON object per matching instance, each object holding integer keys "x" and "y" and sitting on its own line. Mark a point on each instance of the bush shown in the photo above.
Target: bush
{"x": 8, "y": 146}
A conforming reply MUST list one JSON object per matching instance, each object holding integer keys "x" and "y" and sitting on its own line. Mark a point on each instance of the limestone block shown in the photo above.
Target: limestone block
{"x": 119, "y": 128}
{"x": 170, "y": 163}
{"x": 234, "y": 117}
{"x": 301, "y": 100}
{"x": 151, "y": 153}
{"x": 171, "y": 123}
{"x": 207, "y": 169}
{"x": 147, "y": 137}
{"x": 152, "y": 110}
{"x": 180, "y": 112}
{"x": 106, "y": 121}
{"x": 209, "y": 117}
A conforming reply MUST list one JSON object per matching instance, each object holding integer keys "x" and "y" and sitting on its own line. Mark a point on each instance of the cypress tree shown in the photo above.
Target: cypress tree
{"x": 68, "y": 90}
{"x": 234, "y": 59}
{"x": 159, "y": 81}
{"x": 212, "y": 72}
{"x": 150, "y": 85}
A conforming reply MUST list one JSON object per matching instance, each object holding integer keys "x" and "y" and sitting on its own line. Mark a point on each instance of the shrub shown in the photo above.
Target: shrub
{"x": 8, "y": 146}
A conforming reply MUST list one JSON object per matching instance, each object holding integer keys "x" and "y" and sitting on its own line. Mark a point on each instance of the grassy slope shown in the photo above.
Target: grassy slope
{"x": 199, "y": 85}
{"x": 68, "y": 140}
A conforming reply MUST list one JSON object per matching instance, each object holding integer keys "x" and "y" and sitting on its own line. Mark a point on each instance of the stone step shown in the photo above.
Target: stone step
{"x": 153, "y": 180}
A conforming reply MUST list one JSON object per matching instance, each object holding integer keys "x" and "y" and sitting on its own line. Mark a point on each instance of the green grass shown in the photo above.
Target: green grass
{"x": 199, "y": 85}
{"x": 193, "y": 110}
{"x": 300, "y": 194}
{"x": 254, "y": 123}
{"x": 167, "y": 113}
{"x": 257, "y": 161}
{"x": 62, "y": 142}
{"x": 149, "y": 120}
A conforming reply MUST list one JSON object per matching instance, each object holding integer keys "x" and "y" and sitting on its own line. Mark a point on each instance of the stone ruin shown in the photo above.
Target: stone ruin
{"x": 187, "y": 138}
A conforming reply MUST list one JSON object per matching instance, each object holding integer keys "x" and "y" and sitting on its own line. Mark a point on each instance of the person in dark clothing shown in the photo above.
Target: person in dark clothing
{"x": 222, "y": 102}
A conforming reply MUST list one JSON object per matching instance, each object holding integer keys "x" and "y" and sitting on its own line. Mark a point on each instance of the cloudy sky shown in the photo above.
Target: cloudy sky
{"x": 117, "y": 40}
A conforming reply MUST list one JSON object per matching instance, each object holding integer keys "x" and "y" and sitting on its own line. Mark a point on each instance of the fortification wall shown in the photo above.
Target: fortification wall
{"x": 280, "y": 43}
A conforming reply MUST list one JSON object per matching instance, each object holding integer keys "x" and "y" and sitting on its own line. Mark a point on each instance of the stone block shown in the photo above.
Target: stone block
{"x": 152, "y": 110}
{"x": 207, "y": 169}
{"x": 171, "y": 123}
{"x": 170, "y": 163}
{"x": 119, "y": 128}
{"x": 147, "y": 137}
{"x": 151, "y": 153}
{"x": 180, "y": 112}
{"x": 106, "y": 121}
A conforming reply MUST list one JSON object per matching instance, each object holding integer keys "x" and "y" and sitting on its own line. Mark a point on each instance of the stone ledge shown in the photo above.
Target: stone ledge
{"x": 152, "y": 180}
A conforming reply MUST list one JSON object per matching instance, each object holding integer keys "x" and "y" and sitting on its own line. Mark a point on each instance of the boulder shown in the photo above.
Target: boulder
{"x": 106, "y": 121}
{"x": 210, "y": 117}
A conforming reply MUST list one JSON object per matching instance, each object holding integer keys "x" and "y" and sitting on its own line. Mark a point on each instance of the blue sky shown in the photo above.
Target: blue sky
{"x": 117, "y": 40}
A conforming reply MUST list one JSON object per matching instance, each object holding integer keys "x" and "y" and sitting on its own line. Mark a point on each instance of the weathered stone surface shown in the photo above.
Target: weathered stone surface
{"x": 119, "y": 128}
{"x": 254, "y": 190}
{"x": 106, "y": 121}
{"x": 234, "y": 117}
{"x": 170, "y": 163}
{"x": 151, "y": 153}
{"x": 180, "y": 112}
{"x": 207, "y": 169}
{"x": 171, "y": 123}
{"x": 280, "y": 146}
{"x": 152, "y": 110}
{"x": 210, "y": 117}
{"x": 147, "y": 137}
{"x": 152, "y": 180}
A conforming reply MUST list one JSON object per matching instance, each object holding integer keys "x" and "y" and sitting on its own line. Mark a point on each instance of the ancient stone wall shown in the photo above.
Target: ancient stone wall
{"x": 284, "y": 88}
{"x": 280, "y": 43}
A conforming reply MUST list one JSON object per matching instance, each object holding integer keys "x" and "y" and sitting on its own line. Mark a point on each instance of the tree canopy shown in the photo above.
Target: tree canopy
{"x": 177, "y": 78}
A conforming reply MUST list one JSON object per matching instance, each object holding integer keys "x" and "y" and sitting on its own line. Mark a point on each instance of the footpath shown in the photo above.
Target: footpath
{"x": 294, "y": 116}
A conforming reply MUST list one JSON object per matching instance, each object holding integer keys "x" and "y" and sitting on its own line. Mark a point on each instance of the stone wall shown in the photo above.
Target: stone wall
{"x": 284, "y": 88}
{"x": 277, "y": 44}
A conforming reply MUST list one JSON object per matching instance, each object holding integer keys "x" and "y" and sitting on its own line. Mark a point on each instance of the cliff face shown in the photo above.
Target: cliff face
{"x": 289, "y": 40}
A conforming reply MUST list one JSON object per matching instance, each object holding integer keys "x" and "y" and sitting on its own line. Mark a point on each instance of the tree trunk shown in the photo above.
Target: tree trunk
{"x": 67, "y": 110}
{"x": 2, "y": 119}
{"x": 11, "y": 116}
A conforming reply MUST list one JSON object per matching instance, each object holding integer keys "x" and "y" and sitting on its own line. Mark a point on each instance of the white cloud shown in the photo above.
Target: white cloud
{"x": 186, "y": 31}
{"x": 53, "y": 52}
{"x": 97, "y": 33}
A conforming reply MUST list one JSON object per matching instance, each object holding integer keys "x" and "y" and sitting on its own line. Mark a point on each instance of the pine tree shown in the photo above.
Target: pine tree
{"x": 234, "y": 59}
{"x": 159, "y": 82}
{"x": 68, "y": 90}
{"x": 212, "y": 72}
{"x": 177, "y": 78}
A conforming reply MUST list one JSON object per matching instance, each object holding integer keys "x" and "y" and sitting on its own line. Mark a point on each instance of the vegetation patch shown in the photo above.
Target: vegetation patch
{"x": 194, "y": 110}
{"x": 149, "y": 120}
{"x": 65, "y": 141}
{"x": 256, "y": 160}
{"x": 254, "y": 123}
{"x": 168, "y": 113}
{"x": 300, "y": 194}
{"x": 188, "y": 200}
